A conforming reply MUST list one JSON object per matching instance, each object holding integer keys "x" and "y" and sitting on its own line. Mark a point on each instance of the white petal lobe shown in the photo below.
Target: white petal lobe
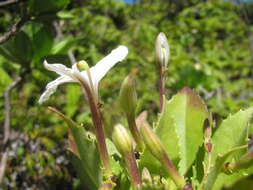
{"x": 105, "y": 64}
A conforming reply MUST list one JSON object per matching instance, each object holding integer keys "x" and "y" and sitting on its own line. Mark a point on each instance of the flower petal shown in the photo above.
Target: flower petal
{"x": 59, "y": 69}
{"x": 104, "y": 65}
{"x": 52, "y": 86}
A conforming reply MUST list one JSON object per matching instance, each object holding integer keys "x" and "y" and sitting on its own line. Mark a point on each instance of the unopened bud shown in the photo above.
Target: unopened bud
{"x": 208, "y": 146}
{"x": 128, "y": 96}
{"x": 152, "y": 142}
{"x": 82, "y": 65}
{"x": 208, "y": 129}
{"x": 146, "y": 177}
{"x": 162, "y": 49}
{"x": 122, "y": 139}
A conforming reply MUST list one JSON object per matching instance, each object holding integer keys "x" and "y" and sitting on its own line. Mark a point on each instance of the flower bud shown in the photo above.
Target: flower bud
{"x": 128, "y": 96}
{"x": 122, "y": 139}
{"x": 162, "y": 49}
{"x": 152, "y": 142}
{"x": 82, "y": 65}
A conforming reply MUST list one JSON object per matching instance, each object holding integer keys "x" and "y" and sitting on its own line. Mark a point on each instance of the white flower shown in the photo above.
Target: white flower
{"x": 97, "y": 72}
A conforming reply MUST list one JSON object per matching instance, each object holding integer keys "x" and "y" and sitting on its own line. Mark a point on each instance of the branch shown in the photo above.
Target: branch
{"x": 7, "y": 109}
{"x": 13, "y": 30}
{"x": 7, "y": 2}
{"x": 60, "y": 35}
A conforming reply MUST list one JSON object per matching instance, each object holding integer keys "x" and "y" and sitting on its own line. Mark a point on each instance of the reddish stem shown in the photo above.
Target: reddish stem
{"x": 176, "y": 177}
{"x": 133, "y": 169}
{"x": 99, "y": 130}
{"x": 162, "y": 87}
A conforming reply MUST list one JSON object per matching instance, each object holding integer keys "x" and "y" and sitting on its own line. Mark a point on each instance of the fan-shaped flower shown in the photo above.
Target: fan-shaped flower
{"x": 90, "y": 76}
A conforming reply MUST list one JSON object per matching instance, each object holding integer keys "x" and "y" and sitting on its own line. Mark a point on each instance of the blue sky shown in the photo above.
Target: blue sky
{"x": 129, "y": 1}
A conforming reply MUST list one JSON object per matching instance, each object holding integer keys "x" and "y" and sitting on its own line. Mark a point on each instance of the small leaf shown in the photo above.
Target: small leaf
{"x": 64, "y": 45}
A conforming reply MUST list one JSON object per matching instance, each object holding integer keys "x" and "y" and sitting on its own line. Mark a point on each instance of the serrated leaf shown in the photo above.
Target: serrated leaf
{"x": 231, "y": 133}
{"x": 166, "y": 130}
{"x": 89, "y": 156}
{"x": 181, "y": 127}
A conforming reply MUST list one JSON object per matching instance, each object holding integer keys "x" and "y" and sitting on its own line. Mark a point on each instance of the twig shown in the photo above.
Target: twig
{"x": 7, "y": 2}
{"x": 60, "y": 35}
{"x": 13, "y": 30}
{"x": 7, "y": 109}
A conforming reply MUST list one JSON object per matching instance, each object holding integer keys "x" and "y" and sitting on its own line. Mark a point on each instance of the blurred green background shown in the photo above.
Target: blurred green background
{"x": 211, "y": 51}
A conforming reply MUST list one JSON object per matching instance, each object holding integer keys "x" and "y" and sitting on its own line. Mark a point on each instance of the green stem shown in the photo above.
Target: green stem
{"x": 134, "y": 130}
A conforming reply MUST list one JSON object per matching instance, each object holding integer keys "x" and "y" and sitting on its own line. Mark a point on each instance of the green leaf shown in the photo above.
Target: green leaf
{"x": 166, "y": 130}
{"x": 218, "y": 165}
{"x": 18, "y": 49}
{"x": 41, "y": 37}
{"x": 5, "y": 79}
{"x": 245, "y": 183}
{"x": 64, "y": 45}
{"x": 181, "y": 127}
{"x": 231, "y": 133}
{"x": 89, "y": 156}
{"x": 37, "y": 7}
{"x": 73, "y": 96}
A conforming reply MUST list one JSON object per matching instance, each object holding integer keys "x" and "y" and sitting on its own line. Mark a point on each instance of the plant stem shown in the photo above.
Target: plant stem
{"x": 162, "y": 87}
{"x": 177, "y": 178}
{"x": 134, "y": 130}
{"x": 99, "y": 130}
{"x": 133, "y": 169}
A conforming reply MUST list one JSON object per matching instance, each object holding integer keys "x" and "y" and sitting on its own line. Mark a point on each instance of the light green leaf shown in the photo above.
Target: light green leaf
{"x": 89, "y": 156}
{"x": 73, "y": 97}
{"x": 231, "y": 133}
{"x": 181, "y": 127}
{"x": 166, "y": 131}
{"x": 5, "y": 79}
{"x": 64, "y": 45}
